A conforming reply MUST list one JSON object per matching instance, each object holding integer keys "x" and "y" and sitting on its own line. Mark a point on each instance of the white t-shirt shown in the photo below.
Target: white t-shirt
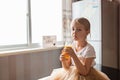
{"x": 87, "y": 52}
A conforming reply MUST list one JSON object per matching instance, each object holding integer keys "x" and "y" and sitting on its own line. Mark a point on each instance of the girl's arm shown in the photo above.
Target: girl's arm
{"x": 83, "y": 67}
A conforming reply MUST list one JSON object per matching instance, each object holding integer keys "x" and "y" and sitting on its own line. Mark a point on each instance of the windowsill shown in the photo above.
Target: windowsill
{"x": 28, "y": 50}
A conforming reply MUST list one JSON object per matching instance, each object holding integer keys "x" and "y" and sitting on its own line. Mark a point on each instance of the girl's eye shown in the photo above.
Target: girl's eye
{"x": 73, "y": 29}
{"x": 78, "y": 30}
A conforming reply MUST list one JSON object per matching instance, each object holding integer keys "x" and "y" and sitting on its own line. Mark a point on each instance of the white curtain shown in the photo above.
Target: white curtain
{"x": 67, "y": 17}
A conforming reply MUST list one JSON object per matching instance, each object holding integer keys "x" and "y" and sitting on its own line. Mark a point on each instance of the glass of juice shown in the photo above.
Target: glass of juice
{"x": 67, "y": 45}
{"x": 66, "y": 55}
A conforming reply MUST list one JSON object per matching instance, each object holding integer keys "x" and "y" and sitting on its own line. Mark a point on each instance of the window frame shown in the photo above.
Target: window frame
{"x": 29, "y": 43}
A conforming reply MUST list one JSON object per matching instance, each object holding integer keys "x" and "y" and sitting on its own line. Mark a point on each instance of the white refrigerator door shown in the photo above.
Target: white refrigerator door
{"x": 90, "y": 9}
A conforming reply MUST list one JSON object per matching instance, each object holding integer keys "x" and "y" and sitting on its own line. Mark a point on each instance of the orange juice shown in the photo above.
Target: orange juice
{"x": 67, "y": 56}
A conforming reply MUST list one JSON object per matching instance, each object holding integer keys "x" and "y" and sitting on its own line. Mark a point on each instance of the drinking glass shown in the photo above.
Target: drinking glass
{"x": 68, "y": 44}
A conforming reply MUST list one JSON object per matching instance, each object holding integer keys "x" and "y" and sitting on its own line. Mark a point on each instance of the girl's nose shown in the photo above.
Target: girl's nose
{"x": 74, "y": 31}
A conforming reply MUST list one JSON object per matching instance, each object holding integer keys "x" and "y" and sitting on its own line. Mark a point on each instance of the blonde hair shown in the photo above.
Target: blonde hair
{"x": 83, "y": 21}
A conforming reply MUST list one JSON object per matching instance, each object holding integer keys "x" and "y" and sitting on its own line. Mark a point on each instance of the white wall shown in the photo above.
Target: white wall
{"x": 29, "y": 66}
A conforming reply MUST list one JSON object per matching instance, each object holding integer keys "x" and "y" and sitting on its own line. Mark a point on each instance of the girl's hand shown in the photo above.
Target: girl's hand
{"x": 62, "y": 58}
{"x": 66, "y": 62}
{"x": 69, "y": 50}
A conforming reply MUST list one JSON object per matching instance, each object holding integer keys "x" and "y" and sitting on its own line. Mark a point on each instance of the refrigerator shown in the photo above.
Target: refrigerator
{"x": 90, "y": 9}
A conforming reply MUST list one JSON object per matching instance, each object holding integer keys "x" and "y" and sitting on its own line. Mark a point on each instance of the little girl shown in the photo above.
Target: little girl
{"x": 80, "y": 65}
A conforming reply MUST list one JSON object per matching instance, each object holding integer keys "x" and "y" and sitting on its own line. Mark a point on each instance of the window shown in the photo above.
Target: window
{"x": 45, "y": 19}
{"x": 13, "y": 22}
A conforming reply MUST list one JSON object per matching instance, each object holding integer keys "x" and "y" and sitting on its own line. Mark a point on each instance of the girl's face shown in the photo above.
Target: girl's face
{"x": 78, "y": 32}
